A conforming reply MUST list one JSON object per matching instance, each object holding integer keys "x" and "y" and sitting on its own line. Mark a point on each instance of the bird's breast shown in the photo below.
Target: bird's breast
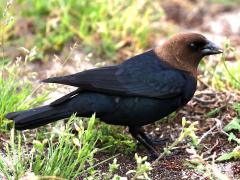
{"x": 189, "y": 89}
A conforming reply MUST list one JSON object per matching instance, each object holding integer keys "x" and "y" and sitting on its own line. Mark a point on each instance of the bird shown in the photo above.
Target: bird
{"x": 139, "y": 91}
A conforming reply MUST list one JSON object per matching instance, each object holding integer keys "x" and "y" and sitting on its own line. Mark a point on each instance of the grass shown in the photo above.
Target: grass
{"x": 226, "y": 2}
{"x": 115, "y": 138}
{"x": 15, "y": 93}
{"x": 105, "y": 27}
{"x": 102, "y": 26}
{"x": 225, "y": 74}
{"x": 44, "y": 154}
{"x": 61, "y": 155}
{"x": 49, "y": 157}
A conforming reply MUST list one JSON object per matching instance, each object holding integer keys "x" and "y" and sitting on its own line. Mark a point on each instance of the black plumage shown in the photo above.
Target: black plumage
{"x": 140, "y": 91}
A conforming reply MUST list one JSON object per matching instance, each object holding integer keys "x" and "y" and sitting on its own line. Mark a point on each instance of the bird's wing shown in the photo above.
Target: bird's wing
{"x": 66, "y": 97}
{"x": 128, "y": 79}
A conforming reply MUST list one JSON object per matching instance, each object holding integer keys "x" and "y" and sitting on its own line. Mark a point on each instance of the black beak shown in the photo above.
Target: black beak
{"x": 211, "y": 48}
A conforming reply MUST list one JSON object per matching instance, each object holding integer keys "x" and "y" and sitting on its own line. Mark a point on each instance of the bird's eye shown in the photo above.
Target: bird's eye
{"x": 196, "y": 45}
{"x": 193, "y": 46}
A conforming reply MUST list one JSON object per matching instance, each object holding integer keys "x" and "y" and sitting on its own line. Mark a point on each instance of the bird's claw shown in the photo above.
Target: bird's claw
{"x": 159, "y": 141}
{"x": 156, "y": 141}
{"x": 153, "y": 156}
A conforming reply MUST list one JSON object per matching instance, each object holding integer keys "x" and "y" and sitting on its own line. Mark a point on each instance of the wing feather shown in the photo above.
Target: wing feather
{"x": 146, "y": 77}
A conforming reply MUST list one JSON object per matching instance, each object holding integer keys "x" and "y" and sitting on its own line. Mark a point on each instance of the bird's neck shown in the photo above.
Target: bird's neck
{"x": 176, "y": 60}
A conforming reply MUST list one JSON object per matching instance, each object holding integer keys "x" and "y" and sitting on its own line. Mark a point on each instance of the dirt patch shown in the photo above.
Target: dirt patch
{"x": 174, "y": 166}
{"x": 208, "y": 107}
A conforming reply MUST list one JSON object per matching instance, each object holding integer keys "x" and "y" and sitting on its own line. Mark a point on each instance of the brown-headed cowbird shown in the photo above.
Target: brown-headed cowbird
{"x": 140, "y": 91}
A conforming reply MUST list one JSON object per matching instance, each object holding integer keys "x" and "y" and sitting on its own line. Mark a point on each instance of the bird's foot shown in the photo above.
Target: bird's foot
{"x": 155, "y": 141}
{"x": 159, "y": 141}
{"x": 153, "y": 156}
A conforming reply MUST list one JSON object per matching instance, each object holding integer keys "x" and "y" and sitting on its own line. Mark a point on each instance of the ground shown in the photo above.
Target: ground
{"x": 174, "y": 166}
{"x": 213, "y": 109}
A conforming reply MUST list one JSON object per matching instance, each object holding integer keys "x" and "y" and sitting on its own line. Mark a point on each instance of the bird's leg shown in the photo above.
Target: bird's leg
{"x": 152, "y": 141}
{"x": 135, "y": 132}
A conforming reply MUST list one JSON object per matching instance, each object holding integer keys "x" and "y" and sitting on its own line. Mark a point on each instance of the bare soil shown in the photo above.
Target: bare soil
{"x": 216, "y": 21}
{"x": 174, "y": 166}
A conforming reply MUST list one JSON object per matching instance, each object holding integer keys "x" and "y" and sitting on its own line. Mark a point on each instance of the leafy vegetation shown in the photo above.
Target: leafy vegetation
{"x": 188, "y": 130}
{"x": 115, "y": 138}
{"x": 234, "y": 154}
{"x": 49, "y": 157}
{"x": 105, "y": 28}
{"x": 231, "y": 129}
{"x": 74, "y": 153}
{"x": 227, "y": 2}
{"x": 224, "y": 73}
{"x": 15, "y": 94}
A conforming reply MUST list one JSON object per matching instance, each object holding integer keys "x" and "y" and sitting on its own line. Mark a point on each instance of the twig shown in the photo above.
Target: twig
{"x": 205, "y": 101}
{"x": 210, "y": 150}
{"x": 169, "y": 148}
{"x": 106, "y": 160}
{"x": 218, "y": 125}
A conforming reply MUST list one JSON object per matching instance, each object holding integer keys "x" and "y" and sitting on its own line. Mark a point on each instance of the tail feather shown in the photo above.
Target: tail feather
{"x": 60, "y": 80}
{"x": 12, "y": 115}
{"x": 37, "y": 117}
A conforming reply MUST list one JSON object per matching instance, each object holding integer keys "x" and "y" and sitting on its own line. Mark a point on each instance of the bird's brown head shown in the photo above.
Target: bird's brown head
{"x": 184, "y": 51}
